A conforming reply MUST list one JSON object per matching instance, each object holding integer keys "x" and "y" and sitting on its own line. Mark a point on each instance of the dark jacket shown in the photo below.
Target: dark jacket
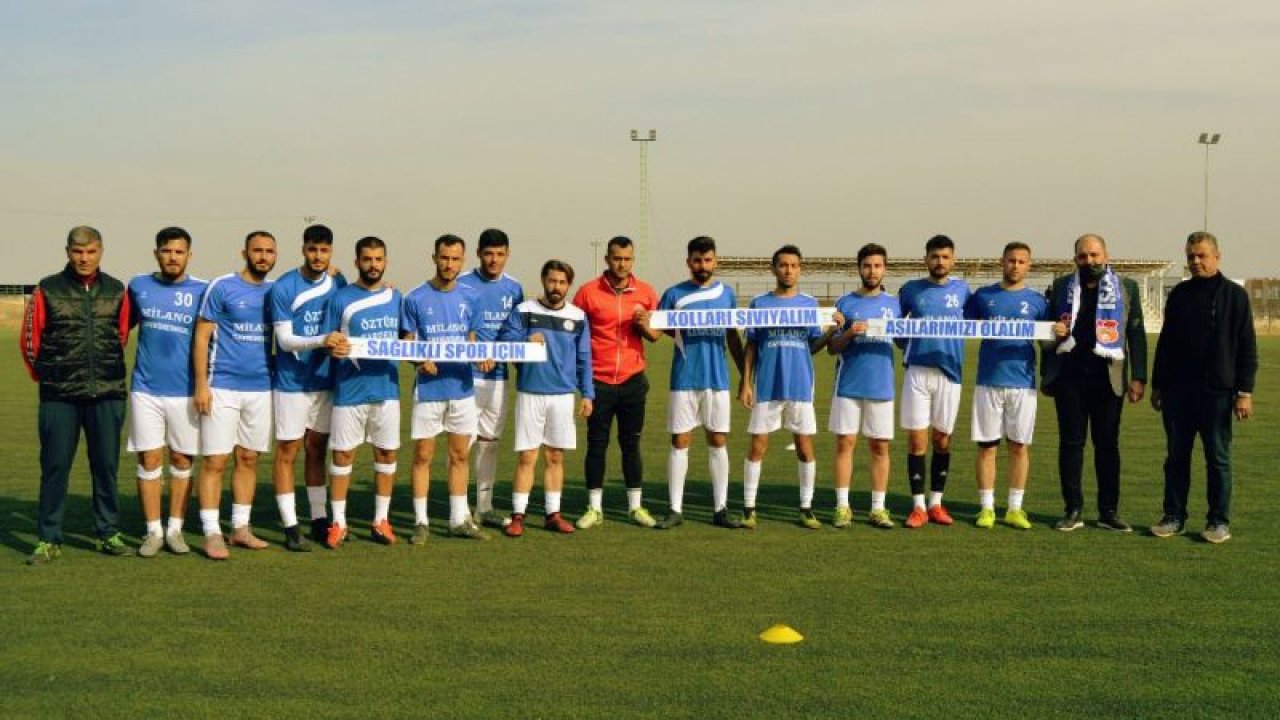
{"x": 1233, "y": 365}
{"x": 1134, "y": 339}
{"x": 74, "y": 336}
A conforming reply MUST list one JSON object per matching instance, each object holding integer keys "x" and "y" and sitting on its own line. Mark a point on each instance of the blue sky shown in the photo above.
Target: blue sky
{"x": 827, "y": 124}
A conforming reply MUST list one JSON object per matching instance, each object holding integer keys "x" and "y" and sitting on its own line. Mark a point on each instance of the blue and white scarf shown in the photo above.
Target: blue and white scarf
{"x": 1109, "y": 320}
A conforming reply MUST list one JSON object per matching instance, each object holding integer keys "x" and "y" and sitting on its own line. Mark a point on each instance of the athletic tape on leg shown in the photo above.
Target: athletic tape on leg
{"x": 385, "y": 468}
{"x": 145, "y": 474}
{"x": 339, "y": 470}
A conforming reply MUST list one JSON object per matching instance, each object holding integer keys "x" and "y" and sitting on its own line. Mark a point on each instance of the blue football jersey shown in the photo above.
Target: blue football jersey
{"x": 240, "y": 351}
{"x": 568, "y": 339}
{"x": 1007, "y": 363}
{"x": 699, "y": 359}
{"x": 864, "y": 369}
{"x": 165, "y": 313}
{"x": 784, "y": 363}
{"x": 357, "y": 312}
{"x": 431, "y": 315}
{"x": 301, "y": 302}
{"x": 924, "y": 299}
{"x": 494, "y": 301}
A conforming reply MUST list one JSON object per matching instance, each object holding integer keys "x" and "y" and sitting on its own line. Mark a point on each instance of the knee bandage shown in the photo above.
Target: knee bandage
{"x": 145, "y": 474}
{"x": 179, "y": 473}
{"x": 339, "y": 470}
{"x": 385, "y": 468}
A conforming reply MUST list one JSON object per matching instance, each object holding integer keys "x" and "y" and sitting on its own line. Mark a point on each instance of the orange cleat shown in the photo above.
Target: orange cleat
{"x": 917, "y": 518}
{"x": 383, "y": 534}
{"x": 556, "y": 523}
{"x": 515, "y": 528}
{"x": 938, "y": 515}
{"x": 336, "y": 536}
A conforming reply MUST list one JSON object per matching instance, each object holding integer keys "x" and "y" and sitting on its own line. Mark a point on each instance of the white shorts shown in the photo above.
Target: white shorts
{"x": 375, "y": 423}
{"x": 795, "y": 416}
{"x": 457, "y": 417}
{"x": 1004, "y": 413}
{"x": 861, "y": 416}
{"x": 157, "y": 422}
{"x": 491, "y": 407}
{"x": 689, "y": 409}
{"x": 545, "y": 420}
{"x": 297, "y": 412}
{"x": 237, "y": 418}
{"x": 929, "y": 399}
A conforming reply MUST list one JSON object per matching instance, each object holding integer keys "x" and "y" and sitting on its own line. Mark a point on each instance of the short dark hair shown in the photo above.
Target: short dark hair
{"x": 83, "y": 235}
{"x": 257, "y": 233}
{"x": 784, "y": 250}
{"x": 1203, "y": 236}
{"x": 871, "y": 249}
{"x": 557, "y": 265}
{"x": 702, "y": 244}
{"x": 317, "y": 235}
{"x": 621, "y": 241}
{"x": 369, "y": 242}
{"x": 938, "y": 242}
{"x": 169, "y": 234}
{"x": 1015, "y": 245}
{"x": 493, "y": 237}
{"x": 449, "y": 240}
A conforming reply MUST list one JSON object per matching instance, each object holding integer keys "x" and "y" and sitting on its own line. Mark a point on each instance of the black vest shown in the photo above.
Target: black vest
{"x": 81, "y": 357}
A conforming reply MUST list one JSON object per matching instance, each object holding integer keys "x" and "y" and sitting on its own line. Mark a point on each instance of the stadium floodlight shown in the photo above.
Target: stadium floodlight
{"x": 642, "y": 247}
{"x": 1208, "y": 140}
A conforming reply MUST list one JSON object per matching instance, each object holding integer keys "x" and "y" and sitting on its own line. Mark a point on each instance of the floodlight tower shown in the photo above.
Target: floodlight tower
{"x": 645, "y": 215}
{"x": 1208, "y": 140}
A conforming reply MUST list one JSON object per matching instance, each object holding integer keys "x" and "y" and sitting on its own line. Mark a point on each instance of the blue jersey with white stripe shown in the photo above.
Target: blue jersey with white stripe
{"x": 301, "y": 302}
{"x": 864, "y": 369}
{"x": 784, "y": 363}
{"x": 166, "y": 315}
{"x": 433, "y": 315}
{"x": 360, "y": 313}
{"x": 240, "y": 351}
{"x": 568, "y": 340}
{"x": 699, "y": 362}
{"x": 923, "y": 298}
{"x": 494, "y": 302}
{"x": 1007, "y": 363}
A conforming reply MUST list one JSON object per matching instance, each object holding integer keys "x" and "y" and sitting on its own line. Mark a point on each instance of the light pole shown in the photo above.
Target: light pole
{"x": 597, "y": 244}
{"x": 1207, "y": 140}
{"x": 644, "y": 192}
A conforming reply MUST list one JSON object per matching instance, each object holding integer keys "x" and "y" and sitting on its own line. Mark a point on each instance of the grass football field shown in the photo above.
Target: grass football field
{"x": 629, "y": 622}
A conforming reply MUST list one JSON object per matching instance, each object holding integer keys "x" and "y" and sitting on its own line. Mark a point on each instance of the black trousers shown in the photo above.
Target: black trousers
{"x": 59, "y": 424}
{"x": 626, "y": 402}
{"x": 1188, "y": 413}
{"x": 1086, "y": 405}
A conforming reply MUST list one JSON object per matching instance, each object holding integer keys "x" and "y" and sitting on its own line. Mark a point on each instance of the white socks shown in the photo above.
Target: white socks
{"x": 317, "y": 497}
{"x": 877, "y": 500}
{"x": 718, "y": 462}
{"x": 288, "y": 504}
{"x": 842, "y": 497}
{"x": 595, "y": 499}
{"x": 340, "y": 513}
{"x": 633, "y": 498}
{"x": 155, "y": 528}
{"x": 486, "y": 454}
{"x": 381, "y": 508}
{"x": 806, "y": 473}
{"x": 240, "y": 515}
{"x": 420, "y": 511}
{"x": 519, "y": 502}
{"x": 750, "y": 482}
{"x": 987, "y": 498}
{"x": 1015, "y": 498}
{"x": 935, "y": 499}
{"x": 209, "y": 522}
{"x": 677, "y": 468}
{"x": 553, "y": 502}
{"x": 459, "y": 513}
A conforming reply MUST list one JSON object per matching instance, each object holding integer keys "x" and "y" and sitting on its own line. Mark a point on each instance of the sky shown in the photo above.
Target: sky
{"x": 824, "y": 124}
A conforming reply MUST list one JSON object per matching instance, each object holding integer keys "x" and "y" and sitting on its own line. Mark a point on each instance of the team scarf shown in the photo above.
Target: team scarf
{"x": 1108, "y": 319}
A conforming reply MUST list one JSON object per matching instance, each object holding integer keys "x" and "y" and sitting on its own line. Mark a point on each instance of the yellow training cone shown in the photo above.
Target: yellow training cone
{"x": 781, "y": 635}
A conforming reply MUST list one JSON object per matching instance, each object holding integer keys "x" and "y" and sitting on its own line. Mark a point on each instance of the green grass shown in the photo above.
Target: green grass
{"x": 629, "y": 622}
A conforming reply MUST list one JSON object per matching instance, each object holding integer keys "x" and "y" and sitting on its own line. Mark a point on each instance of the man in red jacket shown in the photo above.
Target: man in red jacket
{"x": 73, "y": 337}
{"x": 612, "y": 303}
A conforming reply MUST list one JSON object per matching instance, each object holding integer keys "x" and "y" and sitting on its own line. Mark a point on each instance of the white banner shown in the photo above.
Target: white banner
{"x": 444, "y": 352}
{"x": 740, "y": 318}
{"x": 955, "y": 328}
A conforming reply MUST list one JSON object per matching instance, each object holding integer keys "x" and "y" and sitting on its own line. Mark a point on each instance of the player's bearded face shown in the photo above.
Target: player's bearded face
{"x": 554, "y": 287}
{"x": 371, "y": 264}
{"x": 939, "y": 263}
{"x": 448, "y": 260}
{"x": 260, "y": 256}
{"x": 317, "y": 256}
{"x": 872, "y": 272}
{"x": 701, "y": 267}
{"x": 172, "y": 258}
